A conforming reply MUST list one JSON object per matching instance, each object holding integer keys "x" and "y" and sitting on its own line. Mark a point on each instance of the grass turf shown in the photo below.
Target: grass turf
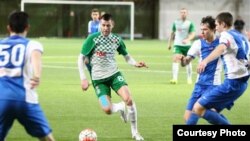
{"x": 159, "y": 104}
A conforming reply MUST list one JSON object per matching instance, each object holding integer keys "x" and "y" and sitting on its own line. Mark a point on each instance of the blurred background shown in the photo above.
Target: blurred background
{"x": 153, "y": 18}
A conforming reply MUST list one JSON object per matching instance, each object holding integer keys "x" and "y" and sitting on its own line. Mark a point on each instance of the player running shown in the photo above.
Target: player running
{"x": 99, "y": 50}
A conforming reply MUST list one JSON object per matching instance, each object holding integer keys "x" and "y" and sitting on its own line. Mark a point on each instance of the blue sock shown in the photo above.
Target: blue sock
{"x": 215, "y": 118}
{"x": 193, "y": 119}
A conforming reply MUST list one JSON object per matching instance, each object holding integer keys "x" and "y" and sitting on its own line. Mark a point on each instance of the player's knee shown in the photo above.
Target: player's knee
{"x": 107, "y": 110}
{"x": 128, "y": 101}
{"x": 198, "y": 109}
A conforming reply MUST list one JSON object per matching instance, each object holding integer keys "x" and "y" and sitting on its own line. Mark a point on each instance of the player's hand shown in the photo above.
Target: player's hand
{"x": 34, "y": 82}
{"x": 201, "y": 67}
{"x": 141, "y": 64}
{"x": 86, "y": 60}
{"x": 84, "y": 84}
{"x": 185, "y": 41}
{"x": 169, "y": 47}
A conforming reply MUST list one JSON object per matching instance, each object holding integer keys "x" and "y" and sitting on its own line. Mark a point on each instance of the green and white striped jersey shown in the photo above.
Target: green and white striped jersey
{"x": 101, "y": 51}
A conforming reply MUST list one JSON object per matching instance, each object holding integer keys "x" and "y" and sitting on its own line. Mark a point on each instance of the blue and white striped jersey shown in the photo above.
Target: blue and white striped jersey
{"x": 16, "y": 70}
{"x": 234, "y": 57}
{"x": 212, "y": 72}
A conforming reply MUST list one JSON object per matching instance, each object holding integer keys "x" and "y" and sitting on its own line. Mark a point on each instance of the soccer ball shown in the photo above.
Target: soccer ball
{"x": 87, "y": 135}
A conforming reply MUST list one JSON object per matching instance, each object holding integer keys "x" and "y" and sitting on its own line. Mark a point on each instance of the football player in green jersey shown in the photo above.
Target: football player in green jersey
{"x": 183, "y": 32}
{"x": 99, "y": 49}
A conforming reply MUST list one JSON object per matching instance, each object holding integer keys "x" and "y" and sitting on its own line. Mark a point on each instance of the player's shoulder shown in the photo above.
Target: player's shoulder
{"x": 93, "y": 35}
{"x": 35, "y": 45}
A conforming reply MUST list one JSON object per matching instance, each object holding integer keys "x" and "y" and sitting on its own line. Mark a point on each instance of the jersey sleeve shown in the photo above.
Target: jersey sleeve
{"x": 89, "y": 27}
{"x": 192, "y": 27}
{"x": 34, "y": 45}
{"x": 173, "y": 27}
{"x": 122, "y": 48}
{"x": 89, "y": 44}
{"x": 225, "y": 39}
{"x": 194, "y": 51}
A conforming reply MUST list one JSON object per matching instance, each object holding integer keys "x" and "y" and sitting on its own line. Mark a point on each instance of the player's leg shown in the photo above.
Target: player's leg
{"x": 213, "y": 99}
{"x": 175, "y": 69}
{"x": 184, "y": 51}
{"x": 197, "y": 92}
{"x": 103, "y": 93}
{"x": 120, "y": 86}
{"x": 189, "y": 73}
{"x": 49, "y": 137}
{"x": 132, "y": 111}
{"x": 6, "y": 117}
{"x": 34, "y": 121}
{"x": 175, "y": 66}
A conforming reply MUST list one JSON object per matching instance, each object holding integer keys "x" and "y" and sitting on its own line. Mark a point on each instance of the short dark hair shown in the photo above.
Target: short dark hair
{"x": 210, "y": 21}
{"x": 239, "y": 24}
{"x": 18, "y": 21}
{"x": 106, "y": 17}
{"x": 95, "y": 10}
{"x": 225, "y": 17}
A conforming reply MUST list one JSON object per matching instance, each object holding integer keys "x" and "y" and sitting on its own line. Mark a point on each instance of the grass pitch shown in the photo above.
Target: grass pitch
{"x": 159, "y": 104}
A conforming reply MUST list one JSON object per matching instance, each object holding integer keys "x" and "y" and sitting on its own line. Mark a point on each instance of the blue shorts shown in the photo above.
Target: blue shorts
{"x": 224, "y": 95}
{"x": 29, "y": 115}
{"x": 196, "y": 94}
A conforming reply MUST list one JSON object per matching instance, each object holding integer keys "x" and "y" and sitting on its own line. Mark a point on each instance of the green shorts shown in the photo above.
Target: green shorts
{"x": 103, "y": 86}
{"x": 181, "y": 50}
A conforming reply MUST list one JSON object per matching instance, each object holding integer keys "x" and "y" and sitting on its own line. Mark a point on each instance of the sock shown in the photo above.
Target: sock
{"x": 189, "y": 71}
{"x": 215, "y": 118}
{"x": 132, "y": 116}
{"x": 175, "y": 70}
{"x": 193, "y": 119}
{"x": 117, "y": 107}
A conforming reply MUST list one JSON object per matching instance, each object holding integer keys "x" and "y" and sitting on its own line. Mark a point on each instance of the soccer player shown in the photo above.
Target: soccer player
{"x": 20, "y": 73}
{"x": 93, "y": 25}
{"x": 211, "y": 76}
{"x": 234, "y": 59}
{"x": 239, "y": 28}
{"x": 100, "y": 49}
{"x": 183, "y": 32}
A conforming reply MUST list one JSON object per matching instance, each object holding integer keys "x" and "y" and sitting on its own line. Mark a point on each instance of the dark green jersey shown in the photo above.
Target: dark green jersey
{"x": 101, "y": 51}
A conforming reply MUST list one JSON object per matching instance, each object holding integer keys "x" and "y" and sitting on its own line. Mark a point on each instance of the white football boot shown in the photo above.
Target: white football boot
{"x": 137, "y": 137}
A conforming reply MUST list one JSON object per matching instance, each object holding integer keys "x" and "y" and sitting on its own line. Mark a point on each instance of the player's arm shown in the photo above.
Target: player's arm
{"x": 130, "y": 60}
{"x": 218, "y": 51}
{"x": 170, "y": 40}
{"x": 81, "y": 67}
{"x": 36, "y": 62}
{"x": 192, "y": 53}
{"x": 191, "y": 34}
{"x": 190, "y": 37}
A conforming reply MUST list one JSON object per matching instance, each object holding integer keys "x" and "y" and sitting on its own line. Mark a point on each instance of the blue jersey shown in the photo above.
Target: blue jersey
{"x": 245, "y": 42}
{"x": 212, "y": 73}
{"x": 234, "y": 56}
{"x": 15, "y": 69}
{"x": 93, "y": 27}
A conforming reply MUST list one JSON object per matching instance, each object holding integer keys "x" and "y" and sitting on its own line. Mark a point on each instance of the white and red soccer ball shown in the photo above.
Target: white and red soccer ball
{"x": 88, "y": 135}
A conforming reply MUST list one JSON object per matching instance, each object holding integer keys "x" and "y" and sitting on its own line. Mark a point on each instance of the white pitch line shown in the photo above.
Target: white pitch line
{"x": 131, "y": 70}
{"x": 139, "y": 56}
{"x": 120, "y": 63}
